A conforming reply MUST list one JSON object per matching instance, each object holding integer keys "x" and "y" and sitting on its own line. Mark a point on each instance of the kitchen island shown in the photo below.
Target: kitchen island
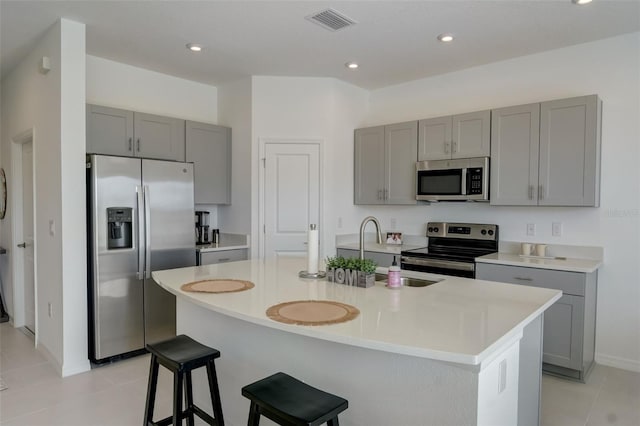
{"x": 458, "y": 352}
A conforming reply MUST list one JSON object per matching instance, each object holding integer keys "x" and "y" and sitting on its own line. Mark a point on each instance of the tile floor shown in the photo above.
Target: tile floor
{"x": 114, "y": 394}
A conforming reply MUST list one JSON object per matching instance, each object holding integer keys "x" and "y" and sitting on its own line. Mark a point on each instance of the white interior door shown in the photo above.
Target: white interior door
{"x": 28, "y": 234}
{"x": 291, "y": 196}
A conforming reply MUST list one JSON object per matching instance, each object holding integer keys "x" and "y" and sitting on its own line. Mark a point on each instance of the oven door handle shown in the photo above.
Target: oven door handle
{"x": 459, "y": 266}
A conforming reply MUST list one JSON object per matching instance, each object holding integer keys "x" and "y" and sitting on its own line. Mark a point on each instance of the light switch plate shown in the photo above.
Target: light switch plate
{"x": 556, "y": 229}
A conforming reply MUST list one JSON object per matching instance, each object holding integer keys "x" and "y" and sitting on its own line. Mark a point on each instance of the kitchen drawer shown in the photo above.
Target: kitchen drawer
{"x": 223, "y": 256}
{"x": 569, "y": 282}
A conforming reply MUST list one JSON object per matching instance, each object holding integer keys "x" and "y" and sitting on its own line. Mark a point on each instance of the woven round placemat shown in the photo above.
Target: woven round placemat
{"x": 312, "y": 312}
{"x": 223, "y": 285}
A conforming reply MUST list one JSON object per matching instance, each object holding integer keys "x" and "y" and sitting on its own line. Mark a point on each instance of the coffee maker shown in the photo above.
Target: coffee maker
{"x": 202, "y": 227}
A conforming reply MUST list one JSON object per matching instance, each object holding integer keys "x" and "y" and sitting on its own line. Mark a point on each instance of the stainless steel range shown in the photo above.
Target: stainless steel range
{"x": 452, "y": 248}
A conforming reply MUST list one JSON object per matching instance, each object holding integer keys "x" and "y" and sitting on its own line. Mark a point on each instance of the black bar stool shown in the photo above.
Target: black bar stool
{"x": 288, "y": 401}
{"x": 181, "y": 355}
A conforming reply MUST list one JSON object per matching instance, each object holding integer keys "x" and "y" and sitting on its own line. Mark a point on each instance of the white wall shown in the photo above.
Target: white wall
{"x": 234, "y": 110}
{"x": 73, "y": 176}
{"x": 609, "y": 68}
{"x": 34, "y": 101}
{"x": 310, "y": 108}
{"x": 124, "y": 86}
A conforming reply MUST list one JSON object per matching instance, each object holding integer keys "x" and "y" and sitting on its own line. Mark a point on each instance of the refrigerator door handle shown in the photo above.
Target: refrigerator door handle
{"x": 147, "y": 232}
{"x": 141, "y": 245}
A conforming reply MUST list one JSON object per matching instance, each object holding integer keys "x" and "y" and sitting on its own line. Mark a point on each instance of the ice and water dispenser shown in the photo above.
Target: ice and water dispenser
{"x": 119, "y": 222}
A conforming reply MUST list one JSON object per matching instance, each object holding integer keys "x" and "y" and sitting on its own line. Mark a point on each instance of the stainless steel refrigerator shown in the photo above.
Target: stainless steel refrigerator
{"x": 140, "y": 219}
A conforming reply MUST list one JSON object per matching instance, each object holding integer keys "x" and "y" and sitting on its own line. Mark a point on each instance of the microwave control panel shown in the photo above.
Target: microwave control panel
{"x": 474, "y": 180}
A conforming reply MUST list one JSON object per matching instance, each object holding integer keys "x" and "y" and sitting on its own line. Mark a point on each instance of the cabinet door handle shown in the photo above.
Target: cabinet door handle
{"x": 540, "y": 192}
{"x": 226, "y": 259}
{"x": 22, "y": 245}
{"x": 379, "y": 194}
{"x": 138, "y": 144}
{"x": 454, "y": 145}
{"x": 446, "y": 147}
{"x": 523, "y": 278}
{"x": 386, "y": 194}
{"x": 130, "y": 144}
{"x": 531, "y": 192}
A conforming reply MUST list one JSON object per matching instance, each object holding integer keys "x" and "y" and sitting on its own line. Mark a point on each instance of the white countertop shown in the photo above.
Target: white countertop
{"x": 561, "y": 264}
{"x": 227, "y": 242}
{"x": 458, "y": 320}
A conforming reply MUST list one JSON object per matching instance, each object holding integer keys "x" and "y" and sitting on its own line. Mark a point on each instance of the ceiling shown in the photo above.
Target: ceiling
{"x": 393, "y": 41}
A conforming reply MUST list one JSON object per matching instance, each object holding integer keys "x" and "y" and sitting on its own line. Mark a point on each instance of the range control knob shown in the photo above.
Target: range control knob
{"x": 430, "y": 229}
{"x": 484, "y": 232}
{"x": 490, "y": 231}
{"x": 435, "y": 229}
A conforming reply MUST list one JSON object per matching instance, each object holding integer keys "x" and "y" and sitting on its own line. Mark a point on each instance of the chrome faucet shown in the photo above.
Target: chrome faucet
{"x": 362, "y": 226}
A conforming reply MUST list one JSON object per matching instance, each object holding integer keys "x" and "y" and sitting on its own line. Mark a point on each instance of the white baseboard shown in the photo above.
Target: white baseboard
{"x": 66, "y": 370}
{"x": 76, "y": 368}
{"x": 617, "y": 362}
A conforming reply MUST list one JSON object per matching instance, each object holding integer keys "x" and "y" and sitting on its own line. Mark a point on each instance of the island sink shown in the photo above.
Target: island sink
{"x": 407, "y": 281}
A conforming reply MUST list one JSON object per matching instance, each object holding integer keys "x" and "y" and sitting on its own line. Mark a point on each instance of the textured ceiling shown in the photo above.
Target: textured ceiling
{"x": 393, "y": 41}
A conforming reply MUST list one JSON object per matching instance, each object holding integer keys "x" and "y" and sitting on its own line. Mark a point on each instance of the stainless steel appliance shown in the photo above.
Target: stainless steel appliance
{"x": 140, "y": 219}
{"x": 465, "y": 179}
{"x": 452, "y": 248}
{"x": 202, "y": 227}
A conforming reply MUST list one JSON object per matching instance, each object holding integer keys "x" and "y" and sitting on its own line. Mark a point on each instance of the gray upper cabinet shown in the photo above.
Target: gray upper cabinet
{"x": 515, "y": 141}
{"x": 385, "y": 158}
{"x": 547, "y": 154}
{"x": 109, "y": 131}
{"x": 369, "y": 165}
{"x": 209, "y": 148}
{"x": 113, "y": 131}
{"x": 458, "y": 136}
{"x": 570, "y": 152}
{"x": 158, "y": 137}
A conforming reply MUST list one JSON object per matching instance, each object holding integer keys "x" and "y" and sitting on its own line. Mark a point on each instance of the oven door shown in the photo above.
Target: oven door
{"x": 440, "y": 185}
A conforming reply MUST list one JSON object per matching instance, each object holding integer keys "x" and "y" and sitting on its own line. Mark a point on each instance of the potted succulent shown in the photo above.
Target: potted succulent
{"x": 351, "y": 271}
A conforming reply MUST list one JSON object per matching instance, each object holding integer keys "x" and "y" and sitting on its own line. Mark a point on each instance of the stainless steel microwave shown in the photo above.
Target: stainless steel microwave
{"x": 465, "y": 179}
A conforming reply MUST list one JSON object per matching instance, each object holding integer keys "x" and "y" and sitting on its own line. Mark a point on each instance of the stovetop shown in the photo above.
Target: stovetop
{"x": 457, "y": 241}
{"x": 464, "y": 255}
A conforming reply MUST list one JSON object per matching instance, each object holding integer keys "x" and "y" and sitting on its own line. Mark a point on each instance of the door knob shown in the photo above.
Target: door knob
{"x": 23, "y": 245}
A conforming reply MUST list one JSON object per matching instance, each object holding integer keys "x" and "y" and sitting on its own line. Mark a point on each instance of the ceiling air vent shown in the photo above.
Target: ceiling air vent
{"x": 331, "y": 19}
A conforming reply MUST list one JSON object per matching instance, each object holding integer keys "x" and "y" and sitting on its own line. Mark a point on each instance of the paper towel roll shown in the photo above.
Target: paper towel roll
{"x": 312, "y": 250}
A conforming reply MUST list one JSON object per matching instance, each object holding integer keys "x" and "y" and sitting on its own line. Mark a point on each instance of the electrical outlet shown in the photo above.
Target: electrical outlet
{"x": 340, "y": 223}
{"x": 50, "y": 309}
{"x": 556, "y": 229}
{"x": 52, "y": 227}
{"x": 393, "y": 223}
{"x": 531, "y": 229}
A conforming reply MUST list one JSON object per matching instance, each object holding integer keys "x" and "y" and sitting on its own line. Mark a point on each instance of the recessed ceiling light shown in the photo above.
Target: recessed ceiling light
{"x": 351, "y": 65}
{"x": 581, "y": 2}
{"x": 446, "y": 38}
{"x": 194, "y": 47}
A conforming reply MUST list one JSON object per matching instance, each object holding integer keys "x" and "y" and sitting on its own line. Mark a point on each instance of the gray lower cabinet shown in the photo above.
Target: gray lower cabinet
{"x": 222, "y": 256}
{"x": 209, "y": 148}
{"x": 569, "y": 324}
{"x": 547, "y": 154}
{"x": 113, "y": 131}
{"x": 385, "y": 164}
{"x": 383, "y": 260}
{"x": 458, "y": 136}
